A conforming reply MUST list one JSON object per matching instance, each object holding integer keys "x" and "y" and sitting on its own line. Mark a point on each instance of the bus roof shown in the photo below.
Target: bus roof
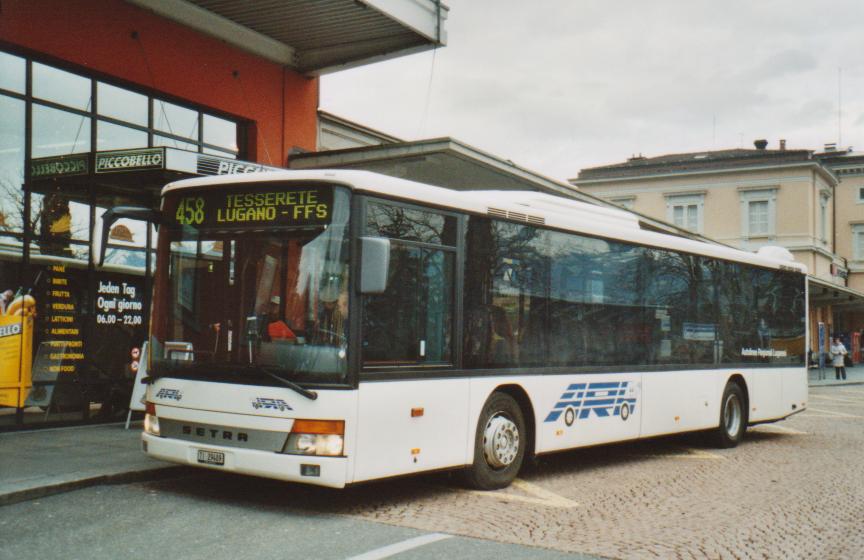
{"x": 529, "y": 207}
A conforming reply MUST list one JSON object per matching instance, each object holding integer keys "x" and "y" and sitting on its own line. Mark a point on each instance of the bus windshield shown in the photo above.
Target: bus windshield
{"x": 251, "y": 283}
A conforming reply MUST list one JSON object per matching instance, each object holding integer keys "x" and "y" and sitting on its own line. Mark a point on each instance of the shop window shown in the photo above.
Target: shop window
{"x": 126, "y": 242}
{"x": 12, "y": 73}
{"x": 175, "y": 120}
{"x": 220, "y": 132}
{"x": 62, "y": 226}
{"x": 219, "y": 153}
{"x": 122, "y": 104}
{"x": 59, "y": 86}
{"x": 59, "y": 133}
{"x": 11, "y": 171}
{"x": 174, "y": 143}
{"x": 114, "y": 137}
{"x": 88, "y": 320}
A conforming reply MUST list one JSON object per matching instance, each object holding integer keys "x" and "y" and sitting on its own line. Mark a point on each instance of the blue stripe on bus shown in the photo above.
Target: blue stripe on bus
{"x": 607, "y": 385}
{"x": 599, "y": 402}
{"x": 565, "y": 404}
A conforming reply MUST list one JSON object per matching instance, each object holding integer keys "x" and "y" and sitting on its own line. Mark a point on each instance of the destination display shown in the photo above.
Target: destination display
{"x": 268, "y": 204}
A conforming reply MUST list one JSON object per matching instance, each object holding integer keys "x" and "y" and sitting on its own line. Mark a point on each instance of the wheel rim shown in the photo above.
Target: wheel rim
{"x": 732, "y": 415}
{"x": 500, "y": 441}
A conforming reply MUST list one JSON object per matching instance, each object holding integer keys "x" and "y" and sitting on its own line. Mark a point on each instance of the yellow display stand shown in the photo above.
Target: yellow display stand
{"x": 16, "y": 359}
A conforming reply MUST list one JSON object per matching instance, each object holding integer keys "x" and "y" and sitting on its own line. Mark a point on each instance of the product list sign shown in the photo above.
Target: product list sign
{"x": 62, "y": 328}
{"x": 265, "y": 205}
{"x": 119, "y": 303}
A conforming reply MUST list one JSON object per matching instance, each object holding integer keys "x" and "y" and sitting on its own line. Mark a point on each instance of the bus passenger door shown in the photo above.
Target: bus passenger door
{"x": 412, "y": 417}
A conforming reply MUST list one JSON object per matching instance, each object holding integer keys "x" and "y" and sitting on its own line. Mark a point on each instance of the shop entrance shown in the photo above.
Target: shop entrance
{"x": 71, "y": 329}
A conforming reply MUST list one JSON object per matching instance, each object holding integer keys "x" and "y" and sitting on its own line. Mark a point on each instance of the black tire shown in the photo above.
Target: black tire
{"x": 501, "y": 415}
{"x": 733, "y": 417}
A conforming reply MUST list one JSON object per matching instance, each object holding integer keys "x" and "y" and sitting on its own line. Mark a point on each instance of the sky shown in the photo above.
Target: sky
{"x": 561, "y": 85}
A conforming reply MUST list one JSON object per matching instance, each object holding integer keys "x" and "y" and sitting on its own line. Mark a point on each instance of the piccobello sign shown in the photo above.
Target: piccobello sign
{"x": 264, "y": 205}
{"x": 62, "y": 166}
{"x": 131, "y": 160}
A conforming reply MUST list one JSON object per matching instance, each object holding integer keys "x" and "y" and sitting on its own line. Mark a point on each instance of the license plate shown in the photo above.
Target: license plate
{"x": 211, "y": 457}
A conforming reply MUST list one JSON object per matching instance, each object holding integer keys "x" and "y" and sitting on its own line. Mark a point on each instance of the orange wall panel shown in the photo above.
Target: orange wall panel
{"x": 168, "y": 57}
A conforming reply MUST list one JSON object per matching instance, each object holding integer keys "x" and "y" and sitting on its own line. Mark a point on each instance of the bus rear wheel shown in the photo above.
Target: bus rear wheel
{"x": 499, "y": 444}
{"x": 733, "y": 417}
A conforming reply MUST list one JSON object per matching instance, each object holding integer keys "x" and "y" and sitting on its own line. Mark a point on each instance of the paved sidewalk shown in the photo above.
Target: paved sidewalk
{"x": 854, "y": 376}
{"x": 42, "y": 462}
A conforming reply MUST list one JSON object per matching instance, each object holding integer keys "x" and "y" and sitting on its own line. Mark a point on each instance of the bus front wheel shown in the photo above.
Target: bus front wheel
{"x": 499, "y": 444}
{"x": 733, "y": 417}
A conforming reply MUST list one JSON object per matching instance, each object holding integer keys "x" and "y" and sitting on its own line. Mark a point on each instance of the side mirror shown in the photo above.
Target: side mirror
{"x": 375, "y": 264}
{"x": 113, "y": 214}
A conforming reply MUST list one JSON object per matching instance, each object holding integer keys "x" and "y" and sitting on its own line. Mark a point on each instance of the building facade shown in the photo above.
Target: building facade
{"x": 749, "y": 199}
{"x": 101, "y": 104}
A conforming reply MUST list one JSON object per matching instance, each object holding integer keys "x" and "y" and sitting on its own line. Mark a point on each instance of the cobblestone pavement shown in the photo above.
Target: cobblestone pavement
{"x": 792, "y": 490}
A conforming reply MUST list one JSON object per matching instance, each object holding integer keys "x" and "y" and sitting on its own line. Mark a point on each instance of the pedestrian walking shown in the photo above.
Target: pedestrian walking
{"x": 838, "y": 355}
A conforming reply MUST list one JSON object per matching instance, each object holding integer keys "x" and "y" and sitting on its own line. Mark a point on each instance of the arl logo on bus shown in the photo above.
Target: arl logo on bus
{"x": 272, "y": 404}
{"x": 603, "y": 399}
{"x": 173, "y": 394}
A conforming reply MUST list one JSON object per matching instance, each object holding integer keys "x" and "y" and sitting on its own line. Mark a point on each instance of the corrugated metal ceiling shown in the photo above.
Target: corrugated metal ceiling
{"x": 322, "y": 32}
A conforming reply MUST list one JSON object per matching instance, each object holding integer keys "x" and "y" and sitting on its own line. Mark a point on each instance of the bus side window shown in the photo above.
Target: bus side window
{"x": 412, "y": 321}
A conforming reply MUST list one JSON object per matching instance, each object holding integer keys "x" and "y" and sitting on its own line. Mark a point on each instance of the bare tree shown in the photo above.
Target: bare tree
{"x": 12, "y": 198}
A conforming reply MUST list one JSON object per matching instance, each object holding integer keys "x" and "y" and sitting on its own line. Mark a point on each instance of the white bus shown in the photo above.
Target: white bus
{"x": 336, "y": 327}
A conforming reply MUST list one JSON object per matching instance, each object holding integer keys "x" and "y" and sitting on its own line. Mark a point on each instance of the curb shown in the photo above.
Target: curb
{"x": 142, "y": 475}
{"x": 836, "y": 384}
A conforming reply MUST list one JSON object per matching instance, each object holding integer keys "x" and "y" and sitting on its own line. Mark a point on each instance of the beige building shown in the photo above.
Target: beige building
{"x": 848, "y": 167}
{"x": 751, "y": 198}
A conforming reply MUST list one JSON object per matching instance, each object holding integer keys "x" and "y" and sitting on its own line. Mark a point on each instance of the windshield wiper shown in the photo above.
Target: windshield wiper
{"x": 311, "y": 395}
{"x": 209, "y": 368}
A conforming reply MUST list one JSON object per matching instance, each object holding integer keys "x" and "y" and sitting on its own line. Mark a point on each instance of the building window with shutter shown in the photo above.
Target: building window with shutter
{"x": 758, "y": 211}
{"x": 757, "y": 216}
{"x": 858, "y": 242}
{"x": 686, "y": 211}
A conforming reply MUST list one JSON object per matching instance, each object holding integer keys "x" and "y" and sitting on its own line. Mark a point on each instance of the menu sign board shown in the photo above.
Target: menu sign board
{"x": 263, "y": 205}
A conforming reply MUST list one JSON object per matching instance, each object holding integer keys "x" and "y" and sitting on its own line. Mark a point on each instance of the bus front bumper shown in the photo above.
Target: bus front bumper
{"x": 320, "y": 471}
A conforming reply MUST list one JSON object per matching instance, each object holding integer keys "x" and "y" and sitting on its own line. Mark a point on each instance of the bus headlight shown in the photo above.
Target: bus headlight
{"x": 316, "y": 437}
{"x": 151, "y": 421}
